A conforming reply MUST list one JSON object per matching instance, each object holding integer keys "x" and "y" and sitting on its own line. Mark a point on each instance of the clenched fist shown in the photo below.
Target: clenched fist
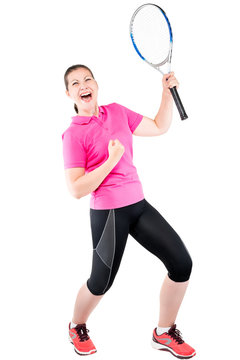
{"x": 115, "y": 150}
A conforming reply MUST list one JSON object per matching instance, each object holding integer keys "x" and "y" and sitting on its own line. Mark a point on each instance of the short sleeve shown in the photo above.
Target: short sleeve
{"x": 134, "y": 118}
{"x": 74, "y": 154}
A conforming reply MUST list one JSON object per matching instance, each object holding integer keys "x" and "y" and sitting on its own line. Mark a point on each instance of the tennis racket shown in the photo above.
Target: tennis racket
{"x": 152, "y": 38}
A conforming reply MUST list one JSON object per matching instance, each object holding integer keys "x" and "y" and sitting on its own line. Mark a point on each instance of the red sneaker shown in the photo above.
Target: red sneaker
{"x": 78, "y": 336}
{"x": 172, "y": 341}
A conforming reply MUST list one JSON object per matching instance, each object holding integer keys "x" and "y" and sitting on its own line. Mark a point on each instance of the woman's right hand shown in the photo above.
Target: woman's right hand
{"x": 115, "y": 150}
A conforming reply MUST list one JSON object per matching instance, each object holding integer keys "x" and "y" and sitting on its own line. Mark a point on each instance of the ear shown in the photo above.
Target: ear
{"x": 67, "y": 93}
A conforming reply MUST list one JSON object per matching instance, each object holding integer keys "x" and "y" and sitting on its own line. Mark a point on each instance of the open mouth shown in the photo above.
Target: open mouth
{"x": 86, "y": 97}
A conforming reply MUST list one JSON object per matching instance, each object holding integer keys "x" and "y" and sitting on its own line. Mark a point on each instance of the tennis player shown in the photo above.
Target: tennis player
{"x": 98, "y": 160}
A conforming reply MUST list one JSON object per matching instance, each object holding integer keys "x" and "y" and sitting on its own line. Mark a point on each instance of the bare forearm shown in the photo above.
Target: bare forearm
{"x": 163, "y": 118}
{"x": 84, "y": 185}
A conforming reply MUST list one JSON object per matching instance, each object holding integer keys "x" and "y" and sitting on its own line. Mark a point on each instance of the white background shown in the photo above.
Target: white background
{"x": 190, "y": 174}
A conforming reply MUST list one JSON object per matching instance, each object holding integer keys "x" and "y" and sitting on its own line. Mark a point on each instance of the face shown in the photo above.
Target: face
{"x": 80, "y": 83}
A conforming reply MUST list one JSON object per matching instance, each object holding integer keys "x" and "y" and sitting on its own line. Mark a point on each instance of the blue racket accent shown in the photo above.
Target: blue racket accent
{"x": 135, "y": 46}
{"x": 169, "y": 26}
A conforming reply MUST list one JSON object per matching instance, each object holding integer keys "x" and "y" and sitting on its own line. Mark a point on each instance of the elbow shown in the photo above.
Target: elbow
{"x": 165, "y": 129}
{"x": 76, "y": 194}
{"x": 162, "y": 131}
{"x": 79, "y": 190}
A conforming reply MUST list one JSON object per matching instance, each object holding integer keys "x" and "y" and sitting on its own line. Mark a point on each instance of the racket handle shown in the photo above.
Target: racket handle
{"x": 178, "y": 103}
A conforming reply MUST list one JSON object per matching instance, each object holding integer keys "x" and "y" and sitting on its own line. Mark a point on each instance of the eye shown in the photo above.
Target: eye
{"x": 88, "y": 79}
{"x": 74, "y": 83}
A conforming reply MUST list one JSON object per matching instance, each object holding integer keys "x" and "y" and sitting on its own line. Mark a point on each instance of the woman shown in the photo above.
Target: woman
{"x": 97, "y": 152}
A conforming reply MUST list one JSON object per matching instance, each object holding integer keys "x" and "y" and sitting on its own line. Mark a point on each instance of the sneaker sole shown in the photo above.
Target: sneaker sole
{"x": 162, "y": 347}
{"x": 79, "y": 352}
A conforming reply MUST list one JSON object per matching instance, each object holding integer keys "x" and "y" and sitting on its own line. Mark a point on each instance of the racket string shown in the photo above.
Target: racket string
{"x": 151, "y": 34}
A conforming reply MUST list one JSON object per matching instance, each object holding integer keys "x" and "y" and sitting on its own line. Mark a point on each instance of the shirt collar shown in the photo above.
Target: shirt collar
{"x": 84, "y": 119}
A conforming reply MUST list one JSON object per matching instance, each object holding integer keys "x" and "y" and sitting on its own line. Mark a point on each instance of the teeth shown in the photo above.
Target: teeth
{"x": 88, "y": 93}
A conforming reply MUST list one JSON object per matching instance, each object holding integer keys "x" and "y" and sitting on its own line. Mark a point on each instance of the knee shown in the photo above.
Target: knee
{"x": 181, "y": 269}
{"x": 96, "y": 288}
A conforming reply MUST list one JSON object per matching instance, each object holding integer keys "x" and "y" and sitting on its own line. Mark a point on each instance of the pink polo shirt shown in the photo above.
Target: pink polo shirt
{"x": 85, "y": 144}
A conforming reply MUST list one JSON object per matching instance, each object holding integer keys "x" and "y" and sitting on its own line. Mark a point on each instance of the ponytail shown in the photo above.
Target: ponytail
{"x": 75, "y": 108}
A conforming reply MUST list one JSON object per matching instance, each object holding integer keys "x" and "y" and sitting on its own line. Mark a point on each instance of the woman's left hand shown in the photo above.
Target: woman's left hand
{"x": 169, "y": 81}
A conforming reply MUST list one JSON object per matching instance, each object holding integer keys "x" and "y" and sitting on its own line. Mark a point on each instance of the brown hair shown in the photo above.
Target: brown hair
{"x": 68, "y": 71}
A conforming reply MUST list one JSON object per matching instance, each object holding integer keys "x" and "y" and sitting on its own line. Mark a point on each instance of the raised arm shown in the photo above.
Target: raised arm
{"x": 162, "y": 121}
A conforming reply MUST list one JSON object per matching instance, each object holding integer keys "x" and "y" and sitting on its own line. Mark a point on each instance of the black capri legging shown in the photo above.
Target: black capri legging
{"x": 110, "y": 229}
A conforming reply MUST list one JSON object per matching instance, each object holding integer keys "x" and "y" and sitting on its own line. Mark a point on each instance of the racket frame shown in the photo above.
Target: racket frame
{"x": 167, "y": 61}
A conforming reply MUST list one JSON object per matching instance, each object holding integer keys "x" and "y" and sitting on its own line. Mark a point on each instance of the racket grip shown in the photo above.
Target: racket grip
{"x": 178, "y": 103}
